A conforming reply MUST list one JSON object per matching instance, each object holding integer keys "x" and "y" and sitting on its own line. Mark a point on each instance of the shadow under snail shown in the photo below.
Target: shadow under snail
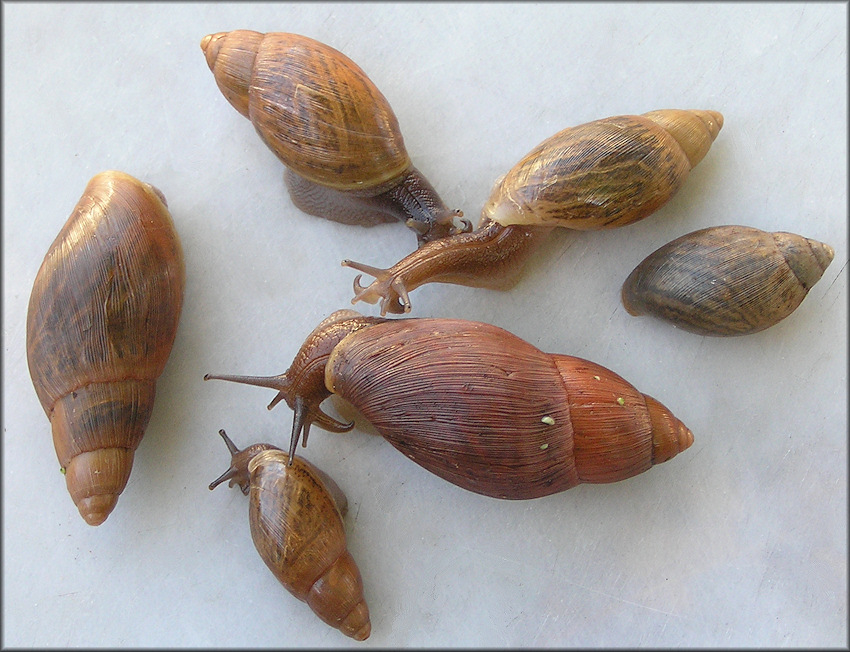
{"x": 726, "y": 280}
{"x": 102, "y": 319}
{"x": 331, "y": 127}
{"x": 477, "y": 405}
{"x": 599, "y": 175}
{"x": 295, "y": 514}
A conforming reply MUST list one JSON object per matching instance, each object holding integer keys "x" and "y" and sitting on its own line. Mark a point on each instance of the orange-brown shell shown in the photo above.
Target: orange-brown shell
{"x": 296, "y": 525}
{"x": 726, "y": 280}
{"x": 491, "y": 413}
{"x": 606, "y": 173}
{"x": 102, "y": 319}
{"x": 314, "y": 107}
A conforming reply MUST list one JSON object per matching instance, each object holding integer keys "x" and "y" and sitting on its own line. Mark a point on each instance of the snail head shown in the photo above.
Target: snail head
{"x": 238, "y": 471}
{"x": 302, "y": 397}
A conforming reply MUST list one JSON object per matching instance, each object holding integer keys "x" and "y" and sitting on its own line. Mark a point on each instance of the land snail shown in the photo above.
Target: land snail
{"x": 296, "y": 517}
{"x": 726, "y": 280}
{"x": 599, "y": 175}
{"x": 331, "y": 127}
{"x": 476, "y": 405}
{"x": 102, "y": 320}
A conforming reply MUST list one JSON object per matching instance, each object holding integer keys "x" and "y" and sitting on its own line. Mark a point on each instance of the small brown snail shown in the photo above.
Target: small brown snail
{"x": 477, "y": 405}
{"x": 726, "y": 280}
{"x": 600, "y": 175}
{"x": 102, "y": 319}
{"x": 330, "y": 125}
{"x": 296, "y": 513}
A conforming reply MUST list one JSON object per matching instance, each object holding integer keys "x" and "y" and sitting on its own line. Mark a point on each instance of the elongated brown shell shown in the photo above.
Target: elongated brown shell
{"x": 297, "y": 528}
{"x": 314, "y": 107}
{"x": 726, "y": 280}
{"x": 102, "y": 319}
{"x": 606, "y": 173}
{"x": 491, "y": 413}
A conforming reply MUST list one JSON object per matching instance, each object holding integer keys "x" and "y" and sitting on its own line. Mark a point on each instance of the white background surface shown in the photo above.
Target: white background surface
{"x": 741, "y": 540}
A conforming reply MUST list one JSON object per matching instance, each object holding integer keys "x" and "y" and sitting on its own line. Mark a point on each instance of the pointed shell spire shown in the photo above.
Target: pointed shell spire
{"x": 232, "y": 67}
{"x": 807, "y": 258}
{"x": 669, "y": 435}
{"x": 694, "y": 130}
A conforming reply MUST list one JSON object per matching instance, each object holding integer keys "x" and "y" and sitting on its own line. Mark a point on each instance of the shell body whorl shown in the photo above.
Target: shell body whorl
{"x": 102, "y": 319}
{"x": 297, "y": 528}
{"x": 606, "y": 173}
{"x": 313, "y": 107}
{"x": 493, "y": 414}
{"x": 726, "y": 280}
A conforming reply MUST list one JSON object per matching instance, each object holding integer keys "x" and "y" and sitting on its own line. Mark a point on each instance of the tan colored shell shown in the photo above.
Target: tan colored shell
{"x": 603, "y": 174}
{"x": 297, "y": 528}
{"x": 726, "y": 280}
{"x": 314, "y": 107}
{"x": 102, "y": 319}
{"x": 606, "y": 173}
{"x": 493, "y": 414}
{"x": 295, "y": 513}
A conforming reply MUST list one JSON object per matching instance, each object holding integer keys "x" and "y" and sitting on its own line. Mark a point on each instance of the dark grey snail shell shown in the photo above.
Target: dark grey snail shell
{"x": 726, "y": 280}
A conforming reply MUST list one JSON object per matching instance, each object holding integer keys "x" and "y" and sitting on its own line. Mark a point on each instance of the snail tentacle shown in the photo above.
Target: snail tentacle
{"x": 388, "y": 287}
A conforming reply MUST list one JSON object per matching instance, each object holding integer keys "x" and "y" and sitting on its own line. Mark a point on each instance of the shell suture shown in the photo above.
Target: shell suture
{"x": 726, "y": 280}
{"x": 102, "y": 320}
{"x": 603, "y": 174}
{"x": 329, "y": 124}
{"x": 491, "y": 413}
{"x": 606, "y": 173}
{"x": 295, "y": 515}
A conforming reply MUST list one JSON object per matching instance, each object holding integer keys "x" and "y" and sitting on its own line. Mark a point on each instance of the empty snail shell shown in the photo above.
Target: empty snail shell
{"x": 478, "y": 406}
{"x": 600, "y": 175}
{"x": 102, "y": 319}
{"x": 726, "y": 280}
{"x": 296, "y": 513}
{"x": 332, "y": 128}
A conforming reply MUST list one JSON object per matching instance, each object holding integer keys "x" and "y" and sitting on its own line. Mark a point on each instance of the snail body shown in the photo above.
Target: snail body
{"x": 102, "y": 320}
{"x": 600, "y": 175}
{"x": 330, "y": 126}
{"x": 295, "y": 515}
{"x": 726, "y": 280}
{"x": 486, "y": 410}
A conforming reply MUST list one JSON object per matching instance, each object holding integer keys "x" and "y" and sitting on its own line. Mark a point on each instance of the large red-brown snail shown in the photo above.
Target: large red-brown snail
{"x": 599, "y": 175}
{"x": 331, "y": 127}
{"x": 726, "y": 280}
{"x": 295, "y": 513}
{"x": 102, "y": 319}
{"x": 477, "y": 405}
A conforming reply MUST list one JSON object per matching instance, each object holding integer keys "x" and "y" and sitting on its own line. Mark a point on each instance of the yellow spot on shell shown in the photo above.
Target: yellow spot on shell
{"x": 549, "y": 421}
{"x": 543, "y": 447}
{"x": 62, "y": 470}
{"x": 597, "y": 378}
{"x": 621, "y": 400}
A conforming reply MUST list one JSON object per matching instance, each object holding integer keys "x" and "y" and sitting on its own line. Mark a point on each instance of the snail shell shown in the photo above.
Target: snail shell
{"x": 486, "y": 410}
{"x": 604, "y": 174}
{"x": 102, "y": 319}
{"x": 330, "y": 125}
{"x": 726, "y": 280}
{"x": 295, "y": 514}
